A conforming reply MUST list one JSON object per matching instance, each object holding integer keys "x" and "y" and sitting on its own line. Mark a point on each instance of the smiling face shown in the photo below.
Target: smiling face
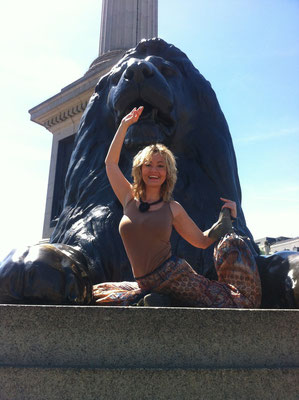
{"x": 154, "y": 171}
{"x": 154, "y": 166}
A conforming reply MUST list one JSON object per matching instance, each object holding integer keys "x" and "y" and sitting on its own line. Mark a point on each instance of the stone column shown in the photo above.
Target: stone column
{"x": 125, "y": 22}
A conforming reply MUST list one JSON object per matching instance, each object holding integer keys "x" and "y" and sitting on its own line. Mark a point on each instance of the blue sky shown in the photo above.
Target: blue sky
{"x": 247, "y": 49}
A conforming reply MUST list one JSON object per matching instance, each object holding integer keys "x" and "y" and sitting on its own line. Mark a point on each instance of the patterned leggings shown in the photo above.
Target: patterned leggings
{"x": 238, "y": 284}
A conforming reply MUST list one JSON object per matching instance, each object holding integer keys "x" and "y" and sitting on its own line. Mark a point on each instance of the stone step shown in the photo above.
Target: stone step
{"x": 152, "y": 384}
{"x": 130, "y": 337}
{"x": 94, "y": 350}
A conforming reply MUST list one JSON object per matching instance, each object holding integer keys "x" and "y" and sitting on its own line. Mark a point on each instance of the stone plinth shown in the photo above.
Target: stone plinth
{"x": 154, "y": 353}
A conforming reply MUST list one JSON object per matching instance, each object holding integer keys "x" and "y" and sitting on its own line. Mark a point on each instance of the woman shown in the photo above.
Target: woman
{"x": 149, "y": 215}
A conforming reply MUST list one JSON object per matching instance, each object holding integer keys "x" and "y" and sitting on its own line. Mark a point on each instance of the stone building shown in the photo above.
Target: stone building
{"x": 271, "y": 245}
{"x": 285, "y": 245}
{"x": 123, "y": 24}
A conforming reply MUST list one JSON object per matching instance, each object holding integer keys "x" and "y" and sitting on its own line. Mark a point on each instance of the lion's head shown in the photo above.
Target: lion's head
{"x": 180, "y": 110}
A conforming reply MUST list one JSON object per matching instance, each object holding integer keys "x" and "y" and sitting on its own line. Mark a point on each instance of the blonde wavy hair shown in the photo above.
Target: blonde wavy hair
{"x": 145, "y": 155}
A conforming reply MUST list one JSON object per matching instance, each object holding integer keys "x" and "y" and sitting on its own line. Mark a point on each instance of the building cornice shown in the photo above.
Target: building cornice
{"x": 73, "y": 98}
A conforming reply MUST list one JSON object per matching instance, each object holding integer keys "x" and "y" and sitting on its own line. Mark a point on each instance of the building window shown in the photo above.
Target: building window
{"x": 65, "y": 148}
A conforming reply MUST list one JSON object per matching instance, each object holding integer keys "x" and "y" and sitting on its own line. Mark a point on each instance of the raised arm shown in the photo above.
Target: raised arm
{"x": 188, "y": 229}
{"x": 120, "y": 185}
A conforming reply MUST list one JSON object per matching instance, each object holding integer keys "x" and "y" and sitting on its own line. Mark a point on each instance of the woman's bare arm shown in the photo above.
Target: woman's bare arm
{"x": 188, "y": 229}
{"x": 120, "y": 185}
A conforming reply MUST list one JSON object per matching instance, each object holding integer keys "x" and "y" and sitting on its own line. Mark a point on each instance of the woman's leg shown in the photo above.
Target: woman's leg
{"x": 238, "y": 285}
{"x": 236, "y": 266}
{"x": 117, "y": 293}
{"x": 179, "y": 280}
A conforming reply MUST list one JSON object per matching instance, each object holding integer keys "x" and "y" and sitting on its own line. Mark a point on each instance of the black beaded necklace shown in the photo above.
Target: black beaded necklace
{"x": 144, "y": 205}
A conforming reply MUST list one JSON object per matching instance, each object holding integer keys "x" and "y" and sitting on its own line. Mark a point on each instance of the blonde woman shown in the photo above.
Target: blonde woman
{"x": 150, "y": 214}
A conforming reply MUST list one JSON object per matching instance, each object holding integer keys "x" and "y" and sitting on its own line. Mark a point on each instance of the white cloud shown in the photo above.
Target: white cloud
{"x": 40, "y": 75}
{"x": 272, "y": 211}
{"x": 274, "y": 224}
{"x": 22, "y": 203}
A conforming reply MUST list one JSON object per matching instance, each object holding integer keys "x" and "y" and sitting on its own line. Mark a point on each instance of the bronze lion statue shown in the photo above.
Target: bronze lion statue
{"x": 180, "y": 110}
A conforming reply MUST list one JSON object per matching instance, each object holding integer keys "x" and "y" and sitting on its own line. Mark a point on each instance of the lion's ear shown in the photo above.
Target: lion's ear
{"x": 204, "y": 93}
{"x": 102, "y": 83}
{"x": 206, "y": 96}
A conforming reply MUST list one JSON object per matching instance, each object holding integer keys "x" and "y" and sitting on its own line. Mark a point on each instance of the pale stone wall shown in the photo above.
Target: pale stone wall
{"x": 291, "y": 244}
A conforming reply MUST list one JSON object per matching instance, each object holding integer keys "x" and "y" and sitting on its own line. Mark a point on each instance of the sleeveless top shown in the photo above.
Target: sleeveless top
{"x": 146, "y": 237}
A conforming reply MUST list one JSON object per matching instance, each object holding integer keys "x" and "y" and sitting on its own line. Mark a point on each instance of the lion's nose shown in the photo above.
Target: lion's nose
{"x": 138, "y": 71}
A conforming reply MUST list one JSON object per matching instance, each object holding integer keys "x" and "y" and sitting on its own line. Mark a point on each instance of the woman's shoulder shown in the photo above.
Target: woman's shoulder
{"x": 176, "y": 208}
{"x": 128, "y": 199}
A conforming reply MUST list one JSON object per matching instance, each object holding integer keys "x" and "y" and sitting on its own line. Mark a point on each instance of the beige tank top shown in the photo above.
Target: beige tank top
{"x": 146, "y": 237}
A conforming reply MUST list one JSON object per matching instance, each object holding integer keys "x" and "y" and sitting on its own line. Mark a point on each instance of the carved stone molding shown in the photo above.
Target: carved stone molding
{"x": 64, "y": 115}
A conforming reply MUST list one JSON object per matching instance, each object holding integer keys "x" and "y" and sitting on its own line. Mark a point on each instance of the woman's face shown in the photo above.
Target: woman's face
{"x": 154, "y": 171}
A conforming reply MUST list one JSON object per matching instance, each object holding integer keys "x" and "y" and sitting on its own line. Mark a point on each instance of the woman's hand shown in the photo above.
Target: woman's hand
{"x": 231, "y": 205}
{"x": 224, "y": 223}
{"x": 132, "y": 117}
